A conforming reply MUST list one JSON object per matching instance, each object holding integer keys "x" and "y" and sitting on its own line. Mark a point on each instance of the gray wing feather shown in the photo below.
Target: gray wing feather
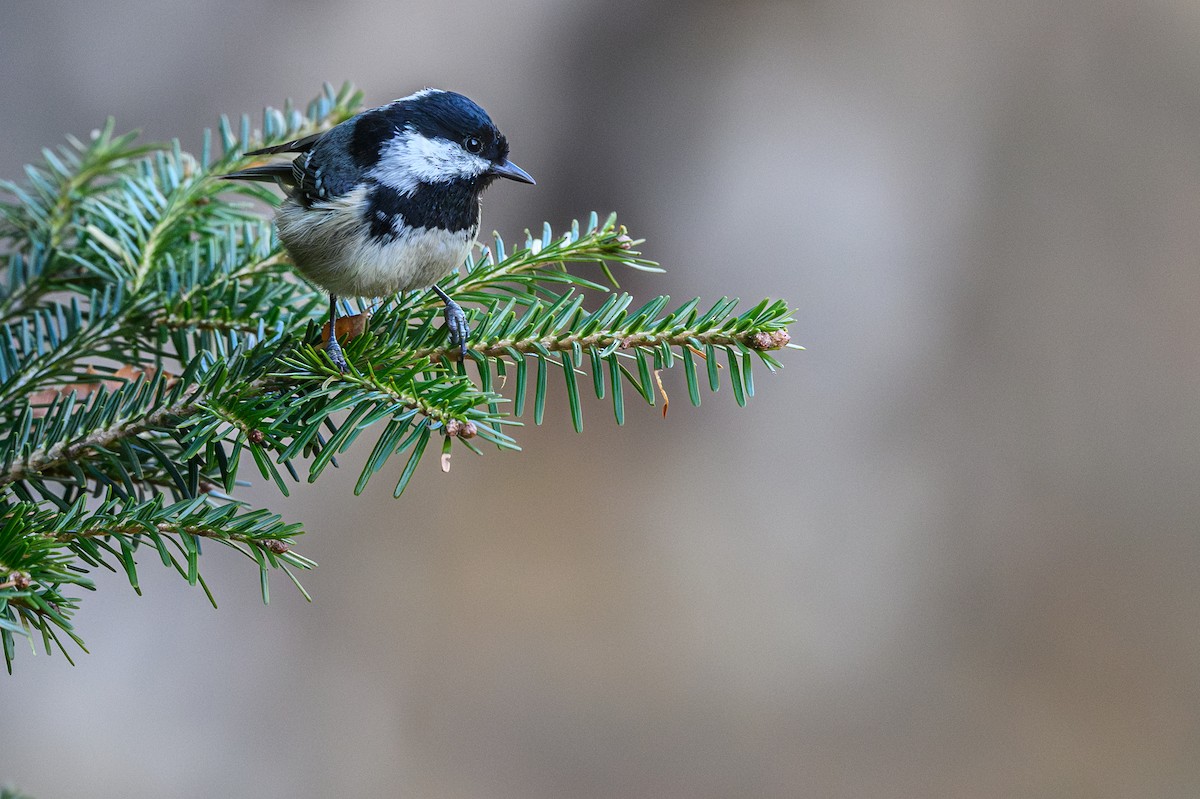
{"x": 327, "y": 170}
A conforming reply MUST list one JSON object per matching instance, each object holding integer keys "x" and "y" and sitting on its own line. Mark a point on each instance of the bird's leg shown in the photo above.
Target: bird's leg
{"x": 456, "y": 321}
{"x": 332, "y": 347}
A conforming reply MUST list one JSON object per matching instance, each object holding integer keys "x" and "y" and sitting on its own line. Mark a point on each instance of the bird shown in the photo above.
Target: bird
{"x": 388, "y": 200}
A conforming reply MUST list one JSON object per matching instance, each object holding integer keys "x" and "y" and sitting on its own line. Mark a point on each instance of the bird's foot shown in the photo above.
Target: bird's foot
{"x": 456, "y": 325}
{"x": 334, "y": 351}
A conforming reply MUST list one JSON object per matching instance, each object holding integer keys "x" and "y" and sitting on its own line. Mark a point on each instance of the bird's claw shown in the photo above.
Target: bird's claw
{"x": 456, "y": 326}
{"x": 334, "y": 351}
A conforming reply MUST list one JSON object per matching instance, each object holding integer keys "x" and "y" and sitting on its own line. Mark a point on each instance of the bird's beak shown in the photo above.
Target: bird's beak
{"x": 507, "y": 169}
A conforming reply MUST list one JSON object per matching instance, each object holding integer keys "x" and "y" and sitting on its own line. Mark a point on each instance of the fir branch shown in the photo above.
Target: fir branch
{"x": 48, "y": 459}
{"x": 37, "y": 547}
{"x": 761, "y": 338}
{"x": 45, "y": 207}
{"x": 179, "y": 344}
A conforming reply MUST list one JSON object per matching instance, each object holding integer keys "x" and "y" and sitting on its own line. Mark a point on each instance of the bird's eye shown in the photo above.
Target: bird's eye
{"x": 472, "y": 144}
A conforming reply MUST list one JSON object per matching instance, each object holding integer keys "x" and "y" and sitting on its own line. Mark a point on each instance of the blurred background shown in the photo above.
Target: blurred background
{"x": 951, "y": 550}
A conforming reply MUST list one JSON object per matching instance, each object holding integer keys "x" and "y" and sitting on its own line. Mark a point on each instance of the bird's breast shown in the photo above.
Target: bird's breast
{"x": 351, "y": 246}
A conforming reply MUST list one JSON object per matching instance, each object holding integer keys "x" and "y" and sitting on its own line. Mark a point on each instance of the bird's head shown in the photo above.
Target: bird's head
{"x": 431, "y": 137}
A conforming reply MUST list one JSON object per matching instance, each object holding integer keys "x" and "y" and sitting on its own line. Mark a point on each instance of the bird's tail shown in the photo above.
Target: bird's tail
{"x": 270, "y": 173}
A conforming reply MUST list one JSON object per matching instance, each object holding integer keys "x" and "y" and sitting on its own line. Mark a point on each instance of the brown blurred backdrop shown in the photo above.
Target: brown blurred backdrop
{"x": 952, "y": 550}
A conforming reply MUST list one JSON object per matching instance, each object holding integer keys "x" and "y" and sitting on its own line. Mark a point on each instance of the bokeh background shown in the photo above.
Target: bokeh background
{"x": 953, "y": 549}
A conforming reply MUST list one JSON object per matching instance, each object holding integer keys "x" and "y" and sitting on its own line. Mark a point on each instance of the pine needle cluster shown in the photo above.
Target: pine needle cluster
{"x": 154, "y": 338}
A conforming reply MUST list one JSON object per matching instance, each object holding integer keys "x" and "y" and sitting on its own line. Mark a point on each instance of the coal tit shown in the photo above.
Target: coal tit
{"x": 388, "y": 200}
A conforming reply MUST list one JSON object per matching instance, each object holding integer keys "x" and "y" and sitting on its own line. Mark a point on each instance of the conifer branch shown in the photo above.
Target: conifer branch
{"x": 46, "y": 461}
{"x": 153, "y": 337}
{"x": 500, "y": 348}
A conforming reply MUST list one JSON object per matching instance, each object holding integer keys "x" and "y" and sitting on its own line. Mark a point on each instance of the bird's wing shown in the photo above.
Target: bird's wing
{"x": 285, "y": 173}
{"x": 322, "y": 171}
{"x": 325, "y": 169}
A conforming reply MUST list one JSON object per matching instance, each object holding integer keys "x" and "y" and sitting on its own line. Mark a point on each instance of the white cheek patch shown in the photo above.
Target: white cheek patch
{"x": 410, "y": 159}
